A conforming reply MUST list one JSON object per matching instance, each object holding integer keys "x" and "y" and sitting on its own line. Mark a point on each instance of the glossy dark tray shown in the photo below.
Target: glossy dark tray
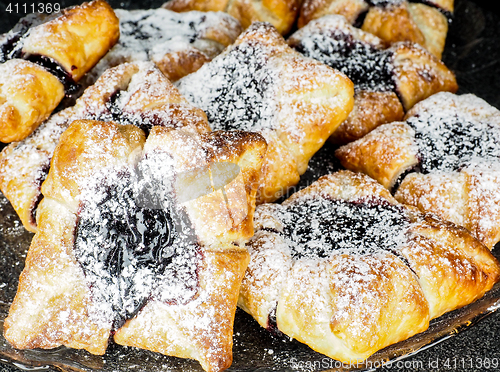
{"x": 473, "y": 53}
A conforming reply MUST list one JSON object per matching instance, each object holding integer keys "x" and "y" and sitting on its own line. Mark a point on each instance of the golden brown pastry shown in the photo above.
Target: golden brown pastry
{"x": 280, "y": 13}
{"x": 120, "y": 251}
{"x": 392, "y": 21}
{"x": 69, "y": 43}
{"x": 388, "y": 80}
{"x": 444, "y": 159}
{"x": 178, "y": 43}
{"x": 344, "y": 268}
{"x": 260, "y": 84}
{"x": 65, "y": 46}
{"x": 28, "y": 95}
{"x": 132, "y": 93}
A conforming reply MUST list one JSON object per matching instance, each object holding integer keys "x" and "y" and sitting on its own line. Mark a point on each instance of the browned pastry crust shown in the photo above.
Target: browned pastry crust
{"x": 347, "y": 300}
{"x": 392, "y": 22}
{"x": 419, "y": 75}
{"x": 67, "y": 46}
{"x": 147, "y": 98}
{"x": 388, "y": 80}
{"x": 28, "y": 94}
{"x": 77, "y": 39}
{"x": 260, "y": 84}
{"x": 466, "y": 195}
{"x": 280, "y": 13}
{"x": 55, "y": 303}
{"x": 371, "y": 109}
{"x": 416, "y": 23}
{"x": 178, "y": 43}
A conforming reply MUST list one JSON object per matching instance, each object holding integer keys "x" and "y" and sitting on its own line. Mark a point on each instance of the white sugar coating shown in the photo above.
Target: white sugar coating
{"x": 131, "y": 241}
{"x": 319, "y": 227}
{"x": 384, "y": 2}
{"x": 360, "y": 55}
{"x": 148, "y": 35}
{"x": 236, "y": 89}
{"x": 453, "y": 132}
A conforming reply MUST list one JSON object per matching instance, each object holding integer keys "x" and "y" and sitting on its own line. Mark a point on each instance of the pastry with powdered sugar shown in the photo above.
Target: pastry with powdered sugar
{"x": 260, "y": 84}
{"x": 388, "y": 80}
{"x": 425, "y": 23}
{"x": 444, "y": 158}
{"x": 132, "y": 244}
{"x": 131, "y": 93}
{"x": 346, "y": 269}
{"x": 65, "y": 45}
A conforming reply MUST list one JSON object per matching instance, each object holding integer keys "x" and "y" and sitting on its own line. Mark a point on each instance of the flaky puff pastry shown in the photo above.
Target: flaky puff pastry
{"x": 395, "y": 21}
{"x": 77, "y": 39}
{"x": 280, "y": 13}
{"x": 178, "y": 43}
{"x": 161, "y": 283}
{"x": 443, "y": 159}
{"x": 132, "y": 93}
{"x": 388, "y": 80}
{"x": 344, "y": 268}
{"x": 260, "y": 84}
{"x": 28, "y": 95}
{"x": 64, "y": 46}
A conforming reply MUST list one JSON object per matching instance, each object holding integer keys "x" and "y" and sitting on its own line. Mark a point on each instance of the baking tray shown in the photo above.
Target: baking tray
{"x": 473, "y": 53}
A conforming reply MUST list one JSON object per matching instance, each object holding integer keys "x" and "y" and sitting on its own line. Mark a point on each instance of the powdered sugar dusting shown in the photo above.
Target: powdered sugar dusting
{"x": 133, "y": 242}
{"x": 336, "y": 43}
{"x": 148, "y": 35}
{"x": 449, "y": 140}
{"x": 318, "y": 227}
{"x": 235, "y": 90}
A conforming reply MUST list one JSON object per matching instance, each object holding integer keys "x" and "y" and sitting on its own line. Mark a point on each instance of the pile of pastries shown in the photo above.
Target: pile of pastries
{"x": 153, "y": 154}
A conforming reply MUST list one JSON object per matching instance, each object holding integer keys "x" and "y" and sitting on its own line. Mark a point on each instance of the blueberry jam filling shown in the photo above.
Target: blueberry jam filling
{"x": 367, "y": 67}
{"x": 70, "y": 86}
{"x": 448, "y": 142}
{"x": 12, "y": 43}
{"x": 234, "y": 91}
{"x": 134, "y": 246}
{"x": 318, "y": 227}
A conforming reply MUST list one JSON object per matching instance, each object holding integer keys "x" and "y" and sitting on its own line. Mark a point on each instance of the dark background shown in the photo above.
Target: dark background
{"x": 473, "y": 54}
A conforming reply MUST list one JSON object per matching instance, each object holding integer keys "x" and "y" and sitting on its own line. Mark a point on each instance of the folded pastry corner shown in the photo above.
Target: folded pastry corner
{"x": 122, "y": 248}
{"x": 42, "y": 59}
{"x": 28, "y": 95}
{"x": 260, "y": 84}
{"x": 344, "y": 268}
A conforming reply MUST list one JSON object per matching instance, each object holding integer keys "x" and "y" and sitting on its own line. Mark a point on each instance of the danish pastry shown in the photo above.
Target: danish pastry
{"x": 392, "y": 21}
{"x": 346, "y": 269}
{"x": 388, "y": 81}
{"x": 120, "y": 252}
{"x": 260, "y": 84}
{"x": 66, "y": 45}
{"x": 444, "y": 159}
{"x": 280, "y": 13}
{"x": 132, "y": 93}
{"x": 178, "y": 43}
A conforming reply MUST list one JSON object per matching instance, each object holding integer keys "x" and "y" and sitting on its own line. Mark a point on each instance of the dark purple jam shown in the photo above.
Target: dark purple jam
{"x": 449, "y": 142}
{"x": 367, "y": 66}
{"x": 234, "y": 90}
{"x": 135, "y": 246}
{"x": 317, "y": 227}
